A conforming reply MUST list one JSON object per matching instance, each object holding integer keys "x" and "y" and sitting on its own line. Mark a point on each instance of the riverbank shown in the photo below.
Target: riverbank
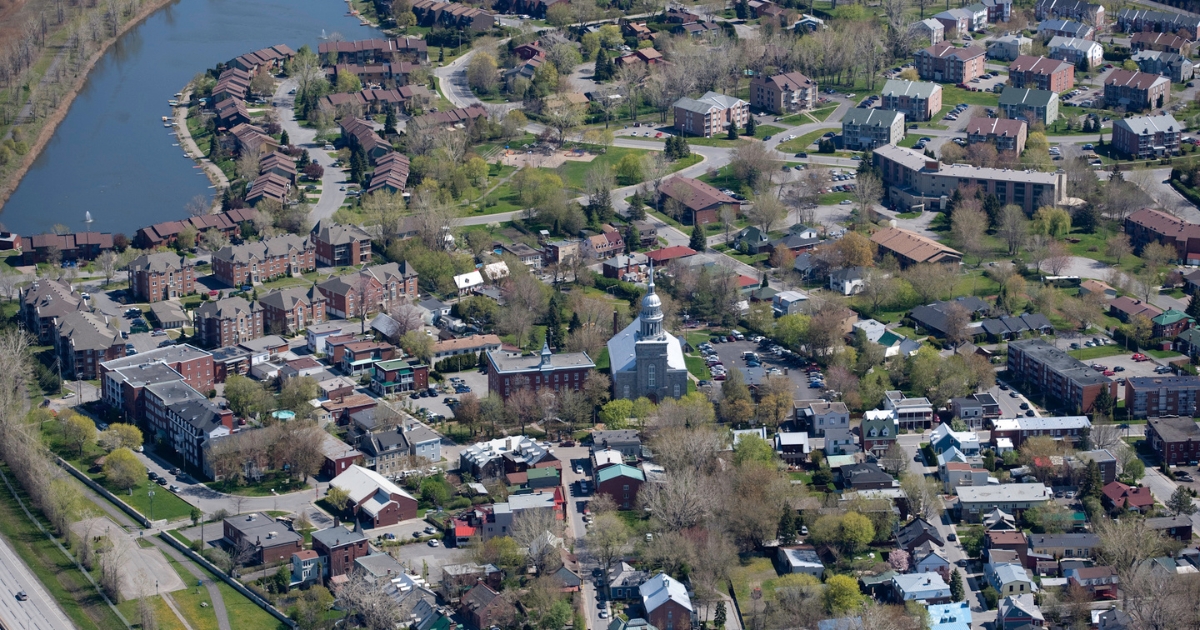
{"x": 184, "y": 134}
{"x": 55, "y": 118}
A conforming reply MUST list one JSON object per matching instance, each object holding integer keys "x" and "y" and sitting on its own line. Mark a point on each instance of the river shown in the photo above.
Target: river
{"x": 111, "y": 155}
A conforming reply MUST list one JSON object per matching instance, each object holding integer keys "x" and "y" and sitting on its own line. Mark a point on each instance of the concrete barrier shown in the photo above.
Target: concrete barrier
{"x": 89, "y": 482}
{"x": 236, "y": 585}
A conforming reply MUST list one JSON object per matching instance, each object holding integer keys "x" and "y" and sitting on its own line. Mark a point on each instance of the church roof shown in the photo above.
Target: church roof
{"x": 622, "y": 348}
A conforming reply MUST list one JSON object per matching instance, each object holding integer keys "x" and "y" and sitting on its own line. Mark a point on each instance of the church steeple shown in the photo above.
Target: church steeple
{"x": 651, "y": 315}
{"x": 545, "y": 354}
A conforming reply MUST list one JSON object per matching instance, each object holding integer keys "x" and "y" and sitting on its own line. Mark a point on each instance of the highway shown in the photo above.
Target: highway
{"x": 40, "y": 611}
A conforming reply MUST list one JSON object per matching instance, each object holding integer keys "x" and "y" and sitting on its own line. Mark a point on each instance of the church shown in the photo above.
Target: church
{"x": 646, "y": 359}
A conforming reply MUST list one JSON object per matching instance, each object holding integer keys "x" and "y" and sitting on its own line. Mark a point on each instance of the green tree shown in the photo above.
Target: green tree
{"x": 616, "y": 413}
{"x": 957, "y": 592}
{"x": 418, "y": 344}
{"x": 604, "y": 69}
{"x": 720, "y": 618}
{"x": 751, "y": 448}
{"x": 246, "y": 397}
{"x": 1193, "y": 307}
{"x": 338, "y": 497}
{"x": 78, "y": 431}
{"x": 787, "y": 530}
{"x": 699, "y": 241}
{"x": 842, "y": 594}
{"x": 733, "y": 134}
{"x": 629, "y": 169}
{"x": 1181, "y": 503}
{"x": 857, "y": 531}
{"x": 122, "y": 470}
{"x": 1134, "y": 470}
{"x": 751, "y": 126}
{"x": 348, "y": 83}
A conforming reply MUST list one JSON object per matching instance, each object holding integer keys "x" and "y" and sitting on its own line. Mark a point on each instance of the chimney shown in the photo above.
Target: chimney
{"x": 932, "y": 165}
{"x": 615, "y": 331}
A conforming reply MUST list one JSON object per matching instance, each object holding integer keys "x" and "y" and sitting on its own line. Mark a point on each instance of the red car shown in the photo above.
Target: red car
{"x": 1109, "y": 372}
{"x": 1139, "y": 357}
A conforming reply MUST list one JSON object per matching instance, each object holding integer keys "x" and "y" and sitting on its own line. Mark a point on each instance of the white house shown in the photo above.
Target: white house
{"x": 468, "y": 281}
{"x": 801, "y": 559}
{"x": 848, "y": 281}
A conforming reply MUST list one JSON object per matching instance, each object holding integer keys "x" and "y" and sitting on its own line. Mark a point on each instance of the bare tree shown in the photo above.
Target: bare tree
{"x": 1013, "y": 228}
{"x": 766, "y": 211}
{"x": 931, "y": 281}
{"x": 376, "y": 609}
{"x": 680, "y": 502}
{"x": 107, "y": 261}
{"x": 199, "y": 205}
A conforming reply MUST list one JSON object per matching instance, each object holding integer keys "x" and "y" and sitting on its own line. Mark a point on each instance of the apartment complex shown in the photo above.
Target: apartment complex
{"x": 1077, "y": 10}
{"x": 1158, "y": 396}
{"x": 1162, "y": 42}
{"x": 292, "y": 310}
{"x": 916, "y": 100}
{"x": 1148, "y": 225}
{"x": 257, "y": 262}
{"x": 1136, "y": 91}
{"x": 709, "y": 115}
{"x": 228, "y": 322}
{"x": 372, "y": 290}
{"x": 788, "y": 92}
{"x": 944, "y": 63}
{"x": 1006, "y": 134}
{"x": 1075, "y": 50}
{"x": 914, "y": 180}
{"x": 1042, "y": 365}
{"x": 1174, "y": 66}
{"x": 1041, "y": 73}
{"x": 1135, "y": 20}
{"x": 1029, "y": 105}
{"x": 339, "y": 245}
{"x": 866, "y": 128}
{"x": 1147, "y": 137}
{"x": 82, "y": 341}
{"x": 1176, "y": 440}
{"x": 161, "y": 276}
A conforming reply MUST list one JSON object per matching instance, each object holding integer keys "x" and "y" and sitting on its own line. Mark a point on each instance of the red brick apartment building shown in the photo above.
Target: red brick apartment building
{"x": 228, "y": 223}
{"x": 161, "y": 276}
{"x": 255, "y": 263}
{"x": 271, "y": 540}
{"x": 379, "y": 287}
{"x": 1176, "y": 440}
{"x": 81, "y": 246}
{"x": 782, "y": 93}
{"x": 341, "y": 547}
{"x": 508, "y": 374}
{"x": 292, "y": 310}
{"x": 83, "y": 341}
{"x": 1154, "y": 226}
{"x": 340, "y": 245}
{"x": 944, "y": 63}
{"x": 1136, "y": 91}
{"x": 1059, "y": 375}
{"x": 1157, "y": 396}
{"x": 1041, "y": 73}
{"x": 228, "y": 322}
{"x": 1007, "y": 134}
{"x": 124, "y": 380}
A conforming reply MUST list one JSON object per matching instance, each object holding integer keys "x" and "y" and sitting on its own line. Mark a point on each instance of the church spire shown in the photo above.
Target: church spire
{"x": 545, "y": 354}
{"x": 651, "y": 315}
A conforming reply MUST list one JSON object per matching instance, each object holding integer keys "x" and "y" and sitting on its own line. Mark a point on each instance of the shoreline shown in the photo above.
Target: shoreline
{"x": 213, "y": 172}
{"x": 56, "y": 118}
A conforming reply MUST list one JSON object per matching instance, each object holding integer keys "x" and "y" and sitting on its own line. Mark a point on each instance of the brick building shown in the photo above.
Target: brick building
{"x": 375, "y": 500}
{"x": 257, "y": 262}
{"x": 379, "y": 287}
{"x": 1005, "y": 133}
{"x": 228, "y": 322}
{"x": 667, "y": 604}
{"x": 701, "y": 202}
{"x": 1040, "y": 364}
{"x": 710, "y": 115}
{"x": 944, "y": 63}
{"x": 788, "y": 92}
{"x": 1136, "y": 91}
{"x": 1176, "y": 440}
{"x": 124, "y": 380}
{"x": 341, "y": 547}
{"x": 44, "y": 303}
{"x": 916, "y": 100}
{"x": 83, "y": 341}
{"x": 621, "y": 483}
{"x": 340, "y": 245}
{"x": 271, "y": 540}
{"x": 1148, "y": 225}
{"x": 292, "y": 310}
{"x": 1158, "y": 396}
{"x": 161, "y": 276}
{"x": 508, "y": 374}
{"x": 1147, "y": 137}
{"x": 1041, "y": 73}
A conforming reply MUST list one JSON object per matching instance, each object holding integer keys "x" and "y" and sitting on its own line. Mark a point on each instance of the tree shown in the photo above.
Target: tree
{"x": 699, "y": 242}
{"x": 899, "y": 560}
{"x": 120, "y": 435}
{"x": 751, "y": 126}
{"x": 930, "y": 281}
{"x": 751, "y": 448}
{"x": 78, "y": 431}
{"x": 607, "y": 539}
{"x": 481, "y": 72}
{"x": 1118, "y": 247}
{"x": 766, "y": 211}
{"x": 122, "y": 470}
{"x": 418, "y": 344}
{"x": 857, "y": 531}
{"x": 246, "y": 397}
{"x": 842, "y": 594}
{"x": 1051, "y": 221}
{"x": 348, "y": 83}
{"x": 1013, "y": 228}
{"x": 616, "y": 413}
{"x": 924, "y": 495}
{"x": 1181, "y": 503}
{"x": 968, "y": 225}
{"x": 957, "y": 592}
{"x": 338, "y": 497}
{"x": 855, "y": 250}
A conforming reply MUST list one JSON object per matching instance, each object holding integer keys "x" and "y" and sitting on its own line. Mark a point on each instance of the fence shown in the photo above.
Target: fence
{"x": 137, "y": 516}
{"x": 236, "y": 585}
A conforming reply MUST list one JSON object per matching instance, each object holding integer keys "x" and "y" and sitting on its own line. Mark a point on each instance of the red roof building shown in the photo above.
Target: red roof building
{"x": 667, "y": 254}
{"x": 1118, "y": 495}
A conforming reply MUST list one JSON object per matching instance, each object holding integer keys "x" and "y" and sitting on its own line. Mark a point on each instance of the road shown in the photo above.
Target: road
{"x": 40, "y": 611}
{"x": 333, "y": 193}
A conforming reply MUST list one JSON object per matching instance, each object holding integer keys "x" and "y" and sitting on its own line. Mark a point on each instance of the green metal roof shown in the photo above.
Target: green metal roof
{"x": 1191, "y": 335}
{"x": 619, "y": 470}
{"x": 541, "y": 473}
{"x": 1170, "y": 316}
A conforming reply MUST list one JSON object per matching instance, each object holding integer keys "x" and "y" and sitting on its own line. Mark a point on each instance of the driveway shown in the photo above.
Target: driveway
{"x": 332, "y": 183}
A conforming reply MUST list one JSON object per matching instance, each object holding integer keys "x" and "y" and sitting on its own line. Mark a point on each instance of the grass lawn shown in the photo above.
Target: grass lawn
{"x": 694, "y": 339}
{"x": 1160, "y": 354}
{"x": 952, "y": 96}
{"x": 246, "y": 613}
{"x": 1097, "y": 352}
{"x": 824, "y": 113}
{"x": 166, "y": 504}
{"x": 751, "y": 260}
{"x": 805, "y": 142}
{"x": 162, "y": 614}
{"x": 696, "y": 366}
{"x": 189, "y": 599}
{"x": 635, "y": 519}
{"x": 603, "y": 363}
{"x": 753, "y": 572}
{"x": 801, "y": 476}
{"x": 260, "y": 488}
{"x": 575, "y": 173}
{"x": 722, "y": 139}
{"x": 833, "y": 199}
{"x": 65, "y": 583}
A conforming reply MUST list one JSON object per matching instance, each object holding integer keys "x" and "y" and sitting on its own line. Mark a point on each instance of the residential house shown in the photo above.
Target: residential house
{"x": 271, "y": 541}
{"x": 911, "y": 248}
{"x": 1048, "y": 29}
{"x": 1106, "y": 292}
{"x": 1006, "y": 540}
{"x": 1019, "y": 611}
{"x": 624, "y": 581}
{"x": 958, "y": 474}
{"x": 1040, "y": 364}
{"x": 374, "y": 499}
{"x": 1158, "y": 396}
{"x": 482, "y": 606}
{"x": 914, "y": 181}
{"x": 956, "y": 22}
{"x": 292, "y": 310}
{"x": 373, "y": 50}
{"x": 259, "y": 261}
{"x": 916, "y": 533}
{"x": 710, "y": 115}
{"x": 161, "y": 276}
{"x": 848, "y": 281}
{"x": 879, "y": 430}
{"x": 1146, "y": 137}
{"x": 916, "y": 100}
{"x": 458, "y": 117}
{"x": 701, "y": 202}
{"x": 1126, "y": 308}
{"x": 499, "y": 457}
{"x": 307, "y": 568}
{"x": 227, "y": 223}
{"x": 342, "y": 547}
{"x": 1007, "y": 328}
{"x": 621, "y": 483}
{"x": 602, "y": 246}
{"x": 912, "y": 413}
{"x": 1041, "y": 73}
{"x": 1171, "y": 323}
{"x": 1032, "y": 106}
{"x": 1136, "y": 91}
{"x": 1064, "y": 545}
{"x": 800, "y": 559}
{"x": 338, "y": 456}
{"x": 865, "y": 129}
{"x": 1101, "y": 582}
{"x": 625, "y": 441}
{"x": 1104, "y": 461}
{"x": 929, "y": 30}
{"x": 340, "y": 245}
{"x": 666, "y": 602}
{"x": 955, "y": 616}
{"x": 782, "y": 93}
{"x": 1175, "y": 440}
{"x": 1015, "y": 498}
{"x": 1177, "y": 527}
{"x": 927, "y": 587}
{"x": 389, "y": 452}
{"x": 944, "y": 63}
{"x": 474, "y": 344}
{"x": 228, "y": 322}
{"x": 1161, "y": 42}
{"x": 1070, "y": 9}
{"x": 83, "y": 341}
{"x": 360, "y": 357}
{"x": 457, "y": 579}
{"x": 929, "y": 558}
{"x": 1009, "y": 579}
{"x": 944, "y": 438}
{"x": 1076, "y": 51}
{"x": 792, "y": 448}
{"x": 818, "y": 416}
{"x": 973, "y": 410}
{"x": 40, "y": 248}
{"x": 1009, "y": 47}
{"x": 373, "y": 290}
{"x": 936, "y": 318}
{"x": 1177, "y": 67}
{"x": 397, "y": 376}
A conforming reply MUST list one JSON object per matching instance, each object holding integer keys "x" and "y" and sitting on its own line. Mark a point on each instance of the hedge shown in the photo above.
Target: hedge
{"x": 457, "y": 363}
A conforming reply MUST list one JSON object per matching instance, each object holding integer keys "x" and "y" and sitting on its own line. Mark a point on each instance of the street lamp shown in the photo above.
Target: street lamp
{"x": 151, "y": 494}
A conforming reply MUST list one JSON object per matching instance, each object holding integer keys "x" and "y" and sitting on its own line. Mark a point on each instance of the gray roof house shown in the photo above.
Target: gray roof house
{"x": 1030, "y": 105}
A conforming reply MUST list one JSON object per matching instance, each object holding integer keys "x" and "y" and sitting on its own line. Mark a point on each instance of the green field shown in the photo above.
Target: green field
{"x": 696, "y": 366}
{"x": 1097, "y": 352}
{"x": 807, "y": 141}
{"x": 722, "y": 140}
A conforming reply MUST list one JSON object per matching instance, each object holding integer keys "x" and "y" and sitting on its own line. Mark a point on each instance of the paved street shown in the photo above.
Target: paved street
{"x": 40, "y": 611}
{"x": 333, "y": 192}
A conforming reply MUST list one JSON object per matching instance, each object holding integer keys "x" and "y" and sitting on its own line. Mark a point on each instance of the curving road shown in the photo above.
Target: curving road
{"x": 333, "y": 194}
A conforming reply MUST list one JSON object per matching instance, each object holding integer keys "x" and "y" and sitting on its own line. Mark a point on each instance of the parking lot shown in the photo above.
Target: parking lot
{"x": 731, "y": 353}
{"x": 474, "y": 379}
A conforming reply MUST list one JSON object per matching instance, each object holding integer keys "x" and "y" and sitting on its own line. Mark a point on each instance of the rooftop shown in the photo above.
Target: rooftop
{"x": 1004, "y": 493}
{"x": 1176, "y": 429}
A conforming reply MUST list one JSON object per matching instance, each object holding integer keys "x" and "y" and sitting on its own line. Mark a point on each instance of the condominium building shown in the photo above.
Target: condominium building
{"x": 161, "y": 276}
{"x": 944, "y": 63}
{"x": 1059, "y": 375}
{"x": 916, "y": 100}
{"x": 1136, "y": 91}
{"x": 1134, "y": 20}
{"x": 1029, "y": 105}
{"x": 709, "y": 115}
{"x": 228, "y": 322}
{"x": 788, "y": 92}
{"x": 1158, "y": 396}
{"x": 1148, "y": 225}
{"x": 1041, "y": 73}
{"x": 1074, "y": 50}
{"x": 1005, "y": 133}
{"x": 257, "y": 262}
{"x": 1146, "y": 137}
{"x": 864, "y": 129}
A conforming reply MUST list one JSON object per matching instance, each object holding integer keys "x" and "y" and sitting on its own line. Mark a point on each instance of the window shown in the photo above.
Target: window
{"x": 650, "y": 375}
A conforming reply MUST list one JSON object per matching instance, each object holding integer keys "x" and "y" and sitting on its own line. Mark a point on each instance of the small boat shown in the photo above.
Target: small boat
{"x": 165, "y": 119}
{"x": 166, "y": 124}
{"x": 173, "y": 103}
{"x": 323, "y": 35}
